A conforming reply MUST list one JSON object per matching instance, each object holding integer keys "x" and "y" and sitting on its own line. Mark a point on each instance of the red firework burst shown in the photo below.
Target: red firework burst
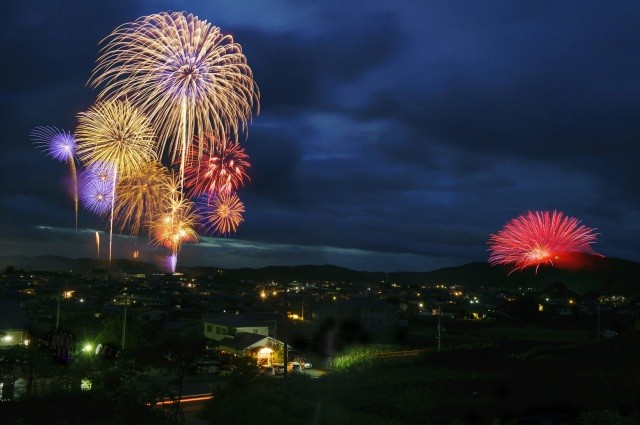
{"x": 213, "y": 167}
{"x": 539, "y": 238}
{"x": 224, "y": 214}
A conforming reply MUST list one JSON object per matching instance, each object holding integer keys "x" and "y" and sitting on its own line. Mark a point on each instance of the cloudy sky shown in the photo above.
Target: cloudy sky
{"x": 393, "y": 135}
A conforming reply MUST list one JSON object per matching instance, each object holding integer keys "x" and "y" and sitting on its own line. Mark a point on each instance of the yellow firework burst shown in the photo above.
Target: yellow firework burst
{"x": 118, "y": 136}
{"x": 116, "y": 133}
{"x": 140, "y": 197}
{"x": 186, "y": 75}
{"x": 175, "y": 225}
{"x": 224, "y": 214}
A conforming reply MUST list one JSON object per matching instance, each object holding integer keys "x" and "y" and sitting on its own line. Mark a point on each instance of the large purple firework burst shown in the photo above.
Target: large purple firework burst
{"x": 96, "y": 188}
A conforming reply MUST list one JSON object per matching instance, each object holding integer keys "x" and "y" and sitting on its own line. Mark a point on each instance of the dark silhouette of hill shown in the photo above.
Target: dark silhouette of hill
{"x": 55, "y": 263}
{"x": 587, "y": 273}
{"x": 304, "y": 273}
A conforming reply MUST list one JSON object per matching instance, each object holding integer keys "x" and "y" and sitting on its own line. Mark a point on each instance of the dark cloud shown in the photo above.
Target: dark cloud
{"x": 296, "y": 71}
{"x": 276, "y": 159}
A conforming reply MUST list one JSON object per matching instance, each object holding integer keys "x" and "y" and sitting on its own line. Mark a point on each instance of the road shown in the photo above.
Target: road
{"x": 198, "y": 389}
{"x": 192, "y": 405}
{"x": 190, "y": 411}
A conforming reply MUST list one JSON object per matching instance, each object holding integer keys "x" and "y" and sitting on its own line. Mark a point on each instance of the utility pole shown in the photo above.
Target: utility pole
{"x": 284, "y": 340}
{"x": 35, "y": 322}
{"x": 58, "y": 313}
{"x": 439, "y": 324}
{"x": 598, "y": 309}
{"x": 64, "y": 292}
{"x": 124, "y": 322}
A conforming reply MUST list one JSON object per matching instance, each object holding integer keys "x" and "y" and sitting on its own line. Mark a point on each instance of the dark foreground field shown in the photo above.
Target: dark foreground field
{"x": 505, "y": 381}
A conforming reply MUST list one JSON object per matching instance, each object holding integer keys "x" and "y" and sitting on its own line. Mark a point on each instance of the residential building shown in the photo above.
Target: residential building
{"x": 14, "y": 324}
{"x": 220, "y": 326}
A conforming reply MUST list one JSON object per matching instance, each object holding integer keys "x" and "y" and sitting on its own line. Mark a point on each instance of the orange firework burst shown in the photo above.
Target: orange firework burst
{"x": 215, "y": 167}
{"x": 224, "y": 214}
{"x": 539, "y": 238}
{"x": 174, "y": 226}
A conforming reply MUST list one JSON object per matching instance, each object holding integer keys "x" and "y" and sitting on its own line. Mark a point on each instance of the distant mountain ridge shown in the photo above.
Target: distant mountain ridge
{"x": 603, "y": 274}
{"x": 56, "y": 263}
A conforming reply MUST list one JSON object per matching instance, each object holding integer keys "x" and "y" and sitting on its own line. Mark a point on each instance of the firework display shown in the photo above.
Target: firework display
{"x": 175, "y": 224}
{"x": 171, "y": 88}
{"x": 115, "y": 133}
{"x": 224, "y": 214}
{"x": 140, "y": 196}
{"x": 213, "y": 166}
{"x": 188, "y": 77}
{"x": 60, "y": 145}
{"x": 538, "y": 238}
{"x": 96, "y": 192}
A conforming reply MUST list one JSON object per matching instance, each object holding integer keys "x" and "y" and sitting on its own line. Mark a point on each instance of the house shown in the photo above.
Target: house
{"x": 14, "y": 324}
{"x": 258, "y": 346}
{"x": 221, "y": 326}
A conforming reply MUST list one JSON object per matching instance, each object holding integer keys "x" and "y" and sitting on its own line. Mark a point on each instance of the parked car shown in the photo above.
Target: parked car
{"x": 267, "y": 371}
{"x": 294, "y": 367}
{"x": 303, "y": 363}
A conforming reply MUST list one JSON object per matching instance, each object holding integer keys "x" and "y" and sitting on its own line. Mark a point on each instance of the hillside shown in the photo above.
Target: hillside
{"x": 596, "y": 273}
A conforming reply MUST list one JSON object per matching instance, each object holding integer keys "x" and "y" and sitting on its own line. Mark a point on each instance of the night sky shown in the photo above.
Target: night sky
{"x": 393, "y": 135}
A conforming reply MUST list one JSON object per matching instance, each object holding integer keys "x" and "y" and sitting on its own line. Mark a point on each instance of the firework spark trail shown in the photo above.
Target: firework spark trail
{"x": 173, "y": 262}
{"x": 224, "y": 214}
{"x": 215, "y": 167}
{"x": 116, "y": 133}
{"x": 60, "y": 145}
{"x": 98, "y": 244}
{"x": 539, "y": 238}
{"x": 186, "y": 75}
{"x": 113, "y": 205}
{"x": 174, "y": 226}
{"x": 140, "y": 197}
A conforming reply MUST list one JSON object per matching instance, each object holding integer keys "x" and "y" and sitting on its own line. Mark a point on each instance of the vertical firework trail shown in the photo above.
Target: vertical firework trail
{"x": 60, "y": 145}
{"x": 113, "y": 204}
{"x": 184, "y": 139}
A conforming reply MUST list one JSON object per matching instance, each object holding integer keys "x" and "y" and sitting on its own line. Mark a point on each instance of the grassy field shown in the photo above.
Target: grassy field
{"x": 488, "y": 374}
